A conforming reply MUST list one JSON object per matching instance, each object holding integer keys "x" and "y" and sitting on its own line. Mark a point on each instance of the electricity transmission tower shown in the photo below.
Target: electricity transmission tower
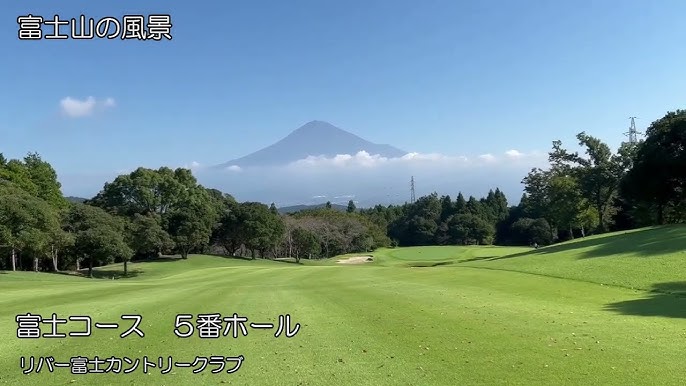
{"x": 633, "y": 133}
{"x": 412, "y": 197}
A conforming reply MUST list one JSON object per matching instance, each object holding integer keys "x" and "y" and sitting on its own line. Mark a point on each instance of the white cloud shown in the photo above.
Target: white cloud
{"x": 487, "y": 157}
{"x": 514, "y": 154}
{"x": 364, "y": 161}
{"x": 193, "y": 166}
{"x": 372, "y": 179}
{"x": 76, "y": 108}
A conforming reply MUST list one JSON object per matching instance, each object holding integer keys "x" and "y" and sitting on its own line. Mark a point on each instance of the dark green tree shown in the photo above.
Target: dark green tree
{"x": 99, "y": 238}
{"x": 147, "y": 238}
{"x": 658, "y": 175}
{"x": 351, "y": 207}
{"x": 191, "y": 222}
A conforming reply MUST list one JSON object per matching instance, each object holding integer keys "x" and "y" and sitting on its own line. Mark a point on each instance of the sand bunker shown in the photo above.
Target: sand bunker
{"x": 356, "y": 260}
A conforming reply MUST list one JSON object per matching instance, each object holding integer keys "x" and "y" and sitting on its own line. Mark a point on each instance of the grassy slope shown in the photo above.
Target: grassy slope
{"x": 469, "y": 319}
{"x": 647, "y": 259}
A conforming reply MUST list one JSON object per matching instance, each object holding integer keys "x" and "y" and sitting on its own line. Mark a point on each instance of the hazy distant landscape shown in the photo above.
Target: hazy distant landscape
{"x": 319, "y": 162}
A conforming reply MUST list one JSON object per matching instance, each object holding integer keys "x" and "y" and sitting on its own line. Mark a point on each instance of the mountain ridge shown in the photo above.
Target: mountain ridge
{"x": 314, "y": 138}
{"x": 302, "y": 207}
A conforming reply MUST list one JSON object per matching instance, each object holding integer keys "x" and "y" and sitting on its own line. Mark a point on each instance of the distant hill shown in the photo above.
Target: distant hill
{"x": 298, "y": 208}
{"x": 76, "y": 199}
{"x": 315, "y": 138}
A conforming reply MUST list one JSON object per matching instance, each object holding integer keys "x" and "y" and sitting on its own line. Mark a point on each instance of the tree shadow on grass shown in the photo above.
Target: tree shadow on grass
{"x": 645, "y": 242}
{"x": 286, "y": 260}
{"x": 107, "y": 273}
{"x": 228, "y": 256}
{"x": 160, "y": 259}
{"x": 665, "y": 299}
{"x": 113, "y": 273}
{"x": 426, "y": 264}
{"x": 479, "y": 259}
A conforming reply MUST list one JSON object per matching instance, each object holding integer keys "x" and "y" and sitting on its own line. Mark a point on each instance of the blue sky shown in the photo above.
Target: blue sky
{"x": 448, "y": 77}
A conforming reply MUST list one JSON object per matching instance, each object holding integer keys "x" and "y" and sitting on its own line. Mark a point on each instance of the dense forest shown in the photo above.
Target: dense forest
{"x": 148, "y": 212}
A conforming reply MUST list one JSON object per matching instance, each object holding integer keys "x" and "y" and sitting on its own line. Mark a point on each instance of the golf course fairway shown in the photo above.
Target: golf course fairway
{"x": 603, "y": 310}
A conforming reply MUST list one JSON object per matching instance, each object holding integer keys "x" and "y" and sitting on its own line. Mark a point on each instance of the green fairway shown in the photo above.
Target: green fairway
{"x": 592, "y": 311}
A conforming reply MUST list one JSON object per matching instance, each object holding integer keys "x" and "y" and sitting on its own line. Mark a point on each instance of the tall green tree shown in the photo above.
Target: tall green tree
{"x": 351, "y": 207}
{"x": 147, "y": 237}
{"x": 599, "y": 173}
{"x": 537, "y": 200}
{"x": 43, "y": 232}
{"x": 306, "y": 243}
{"x": 423, "y": 218}
{"x": 263, "y": 229}
{"x": 658, "y": 175}
{"x": 99, "y": 238}
{"x": 191, "y": 222}
{"x": 460, "y": 204}
{"x": 61, "y": 241}
{"x": 566, "y": 202}
{"x": 146, "y": 191}
{"x": 15, "y": 171}
{"x": 45, "y": 180}
{"x": 20, "y": 220}
{"x": 531, "y": 231}
{"x": 468, "y": 229}
{"x": 230, "y": 233}
{"x": 447, "y": 208}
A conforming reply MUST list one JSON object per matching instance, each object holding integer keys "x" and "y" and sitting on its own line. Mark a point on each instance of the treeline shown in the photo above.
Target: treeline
{"x": 640, "y": 184}
{"x": 434, "y": 220}
{"x": 149, "y": 212}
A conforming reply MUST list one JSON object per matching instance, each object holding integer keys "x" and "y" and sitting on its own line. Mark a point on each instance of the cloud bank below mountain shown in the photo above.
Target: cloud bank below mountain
{"x": 363, "y": 160}
{"x": 373, "y": 179}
